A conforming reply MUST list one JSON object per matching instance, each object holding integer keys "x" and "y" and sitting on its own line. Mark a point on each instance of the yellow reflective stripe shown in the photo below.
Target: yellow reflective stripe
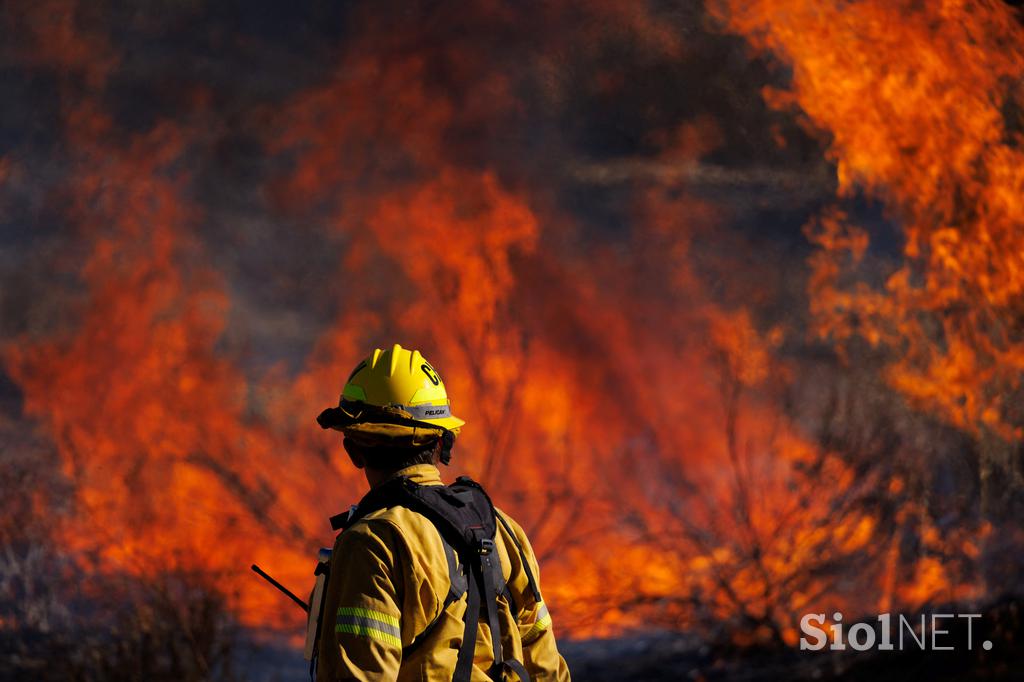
{"x": 383, "y": 627}
{"x": 372, "y": 633}
{"x": 538, "y": 627}
{"x": 368, "y": 613}
{"x": 542, "y": 624}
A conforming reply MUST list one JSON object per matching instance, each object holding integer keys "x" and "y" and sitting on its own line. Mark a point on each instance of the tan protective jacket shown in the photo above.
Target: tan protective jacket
{"x": 389, "y": 579}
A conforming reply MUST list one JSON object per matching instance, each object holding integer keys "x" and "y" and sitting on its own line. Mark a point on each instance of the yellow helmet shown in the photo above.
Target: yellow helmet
{"x": 402, "y": 378}
{"x": 396, "y": 395}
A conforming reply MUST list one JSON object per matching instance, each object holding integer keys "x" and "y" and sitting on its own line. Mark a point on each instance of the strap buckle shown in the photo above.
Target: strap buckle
{"x": 485, "y": 546}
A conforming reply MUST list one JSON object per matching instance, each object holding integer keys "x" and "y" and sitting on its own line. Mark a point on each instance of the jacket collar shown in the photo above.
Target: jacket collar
{"x": 423, "y": 474}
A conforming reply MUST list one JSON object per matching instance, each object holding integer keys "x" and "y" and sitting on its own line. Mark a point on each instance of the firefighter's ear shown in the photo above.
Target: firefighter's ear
{"x": 354, "y": 454}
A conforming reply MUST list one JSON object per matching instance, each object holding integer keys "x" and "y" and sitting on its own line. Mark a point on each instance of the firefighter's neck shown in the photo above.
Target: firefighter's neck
{"x": 377, "y": 476}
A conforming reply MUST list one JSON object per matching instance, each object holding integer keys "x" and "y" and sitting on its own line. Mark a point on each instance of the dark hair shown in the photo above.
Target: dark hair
{"x": 393, "y": 458}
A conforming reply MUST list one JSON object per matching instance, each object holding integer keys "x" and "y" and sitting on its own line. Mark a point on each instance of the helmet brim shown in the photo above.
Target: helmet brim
{"x": 340, "y": 419}
{"x": 450, "y": 423}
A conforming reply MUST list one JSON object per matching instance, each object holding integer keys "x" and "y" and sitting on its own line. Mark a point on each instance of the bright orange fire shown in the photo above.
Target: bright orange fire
{"x": 151, "y": 422}
{"x": 635, "y": 425}
{"x": 917, "y": 99}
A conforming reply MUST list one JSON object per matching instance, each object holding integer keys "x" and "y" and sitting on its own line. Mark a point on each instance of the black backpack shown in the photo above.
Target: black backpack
{"x": 465, "y": 518}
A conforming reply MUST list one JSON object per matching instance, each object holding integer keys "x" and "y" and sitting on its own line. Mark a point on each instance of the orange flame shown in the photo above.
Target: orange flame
{"x": 632, "y": 423}
{"x": 915, "y": 98}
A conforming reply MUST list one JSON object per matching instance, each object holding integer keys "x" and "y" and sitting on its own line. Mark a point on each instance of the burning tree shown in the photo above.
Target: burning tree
{"x": 923, "y": 105}
{"x": 923, "y": 114}
{"x": 573, "y": 222}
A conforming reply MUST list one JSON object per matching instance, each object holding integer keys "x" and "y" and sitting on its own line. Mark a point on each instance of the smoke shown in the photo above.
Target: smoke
{"x": 588, "y": 218}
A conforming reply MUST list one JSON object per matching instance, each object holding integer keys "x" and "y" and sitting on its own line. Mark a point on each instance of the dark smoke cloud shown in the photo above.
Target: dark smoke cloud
{"x": 625, "y": 146}
{"x": 590, "y": 101}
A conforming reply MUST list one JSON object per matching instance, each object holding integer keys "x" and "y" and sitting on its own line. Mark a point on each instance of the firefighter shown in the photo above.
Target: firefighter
{"x": 426, "y": 581}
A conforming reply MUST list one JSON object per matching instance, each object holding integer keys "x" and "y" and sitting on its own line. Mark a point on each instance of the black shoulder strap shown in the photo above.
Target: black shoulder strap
{"x": 467, "y": 522}
{"x": 341, "y": 521}
{"x": 386, "y": 495}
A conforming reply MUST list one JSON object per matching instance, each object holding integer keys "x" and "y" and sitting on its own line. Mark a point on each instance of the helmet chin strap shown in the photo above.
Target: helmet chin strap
{"x": 447, "y": 442}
